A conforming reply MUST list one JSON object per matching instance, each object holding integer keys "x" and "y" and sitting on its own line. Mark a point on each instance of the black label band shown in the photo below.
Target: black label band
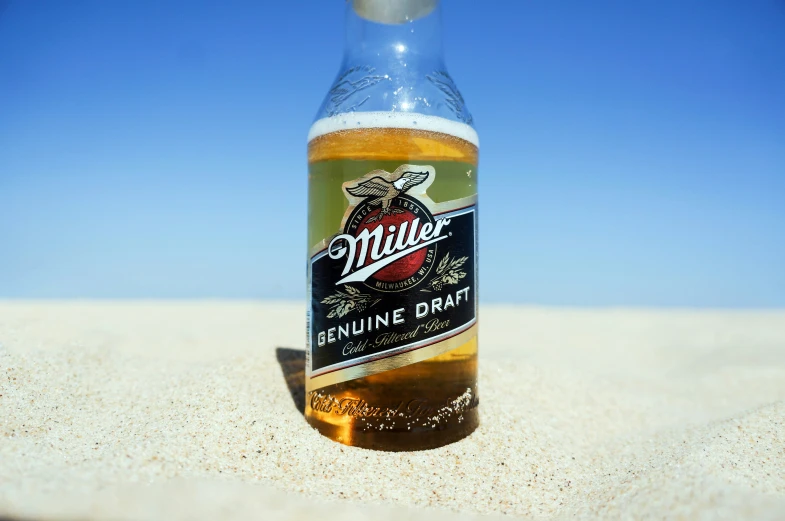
{"x": 361, "y": 321}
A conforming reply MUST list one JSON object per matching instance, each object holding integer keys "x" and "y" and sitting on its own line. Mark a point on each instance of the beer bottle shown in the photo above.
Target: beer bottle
{"x": 391, "y": 358}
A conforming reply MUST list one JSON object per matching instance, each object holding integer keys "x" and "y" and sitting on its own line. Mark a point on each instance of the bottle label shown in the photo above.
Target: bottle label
{"x": 396, "y": 285}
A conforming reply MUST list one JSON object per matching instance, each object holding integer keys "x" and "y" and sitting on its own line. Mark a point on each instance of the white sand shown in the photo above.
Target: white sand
{"x": 180, "y": 411}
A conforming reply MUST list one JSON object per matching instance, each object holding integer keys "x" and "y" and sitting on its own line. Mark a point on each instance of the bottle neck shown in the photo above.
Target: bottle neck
{"x": 393, "y": 62}
{"x": 398, "y": 33}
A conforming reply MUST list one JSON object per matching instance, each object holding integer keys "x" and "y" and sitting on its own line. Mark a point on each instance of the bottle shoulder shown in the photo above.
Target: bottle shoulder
{"x": 401, "y": 89}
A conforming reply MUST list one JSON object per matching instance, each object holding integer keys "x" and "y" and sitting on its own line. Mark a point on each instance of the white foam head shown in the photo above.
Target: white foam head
{"x": 356, "y": 120}
{"x": 393, "y": 11}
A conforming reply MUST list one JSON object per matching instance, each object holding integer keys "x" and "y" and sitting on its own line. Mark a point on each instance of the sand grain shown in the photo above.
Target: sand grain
{"x": 181, "y": 411}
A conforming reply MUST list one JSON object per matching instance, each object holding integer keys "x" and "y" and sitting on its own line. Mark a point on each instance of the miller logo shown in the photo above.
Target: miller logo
{"x": 389, "y": 239}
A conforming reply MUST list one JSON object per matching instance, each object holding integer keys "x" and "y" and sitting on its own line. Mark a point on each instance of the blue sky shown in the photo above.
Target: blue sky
{"x": 633, "y": 153}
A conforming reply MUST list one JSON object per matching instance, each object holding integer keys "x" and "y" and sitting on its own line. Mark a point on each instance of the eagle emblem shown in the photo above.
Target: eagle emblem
{"x": 381, "y": 191}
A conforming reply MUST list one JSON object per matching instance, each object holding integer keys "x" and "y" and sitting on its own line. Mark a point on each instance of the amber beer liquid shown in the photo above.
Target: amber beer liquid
{"x": 391, "y": 360}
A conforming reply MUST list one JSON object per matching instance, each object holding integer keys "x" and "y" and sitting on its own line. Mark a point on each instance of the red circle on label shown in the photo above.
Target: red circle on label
{"x": 402, "y": 268}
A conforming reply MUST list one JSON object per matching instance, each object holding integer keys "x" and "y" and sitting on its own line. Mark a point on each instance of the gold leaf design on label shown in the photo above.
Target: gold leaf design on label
{"x": 344, "y": 302}
{"x": 448, "y": 272}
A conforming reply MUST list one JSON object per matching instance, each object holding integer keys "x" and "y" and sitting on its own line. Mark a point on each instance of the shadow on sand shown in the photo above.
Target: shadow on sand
{"x": 292, "y": 362}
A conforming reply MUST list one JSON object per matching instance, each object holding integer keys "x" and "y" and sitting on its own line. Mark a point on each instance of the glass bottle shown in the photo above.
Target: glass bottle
{"x": 391, "y": 358}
